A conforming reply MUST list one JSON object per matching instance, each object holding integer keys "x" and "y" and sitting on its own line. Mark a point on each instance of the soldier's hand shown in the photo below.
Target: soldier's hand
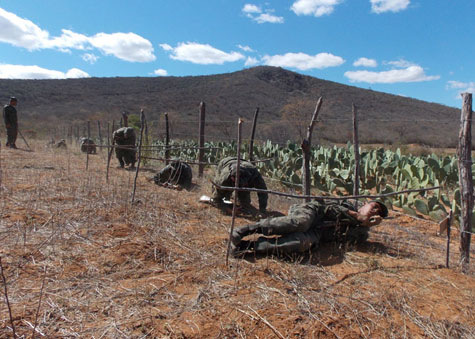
{"x": 373, "y": 221}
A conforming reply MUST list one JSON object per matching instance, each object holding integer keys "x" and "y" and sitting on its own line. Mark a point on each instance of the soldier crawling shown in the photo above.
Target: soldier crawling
{"x": 308, "y": 224}
{"x": 87, "y": 145}
{"x": 249, "y": 176}
{"x": 176, "y": 174}
{"x": 124, "y": 139}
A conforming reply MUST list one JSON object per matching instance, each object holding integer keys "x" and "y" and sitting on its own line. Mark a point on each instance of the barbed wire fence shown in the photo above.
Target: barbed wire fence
{"x": 162, "y": 153}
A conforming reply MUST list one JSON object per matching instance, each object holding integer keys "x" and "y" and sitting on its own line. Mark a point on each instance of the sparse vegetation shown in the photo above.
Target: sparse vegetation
{"x": 156, "y": 268}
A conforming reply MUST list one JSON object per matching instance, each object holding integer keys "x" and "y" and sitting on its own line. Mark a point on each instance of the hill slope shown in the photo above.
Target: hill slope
{"x": 283, "y": 96}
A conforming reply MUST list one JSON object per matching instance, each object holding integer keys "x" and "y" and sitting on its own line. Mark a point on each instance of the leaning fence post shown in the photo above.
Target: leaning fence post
{"x": 306, "y": 145}
{"x": 251, "y": 143}
{"x": 142, "y": 124}
{"x": 167, "y": 140}
{"x": 202, "y": 139}
{"x": 235, "y": 192}
{"x": 356, "y": 187}
{"x": 466, "y": 182}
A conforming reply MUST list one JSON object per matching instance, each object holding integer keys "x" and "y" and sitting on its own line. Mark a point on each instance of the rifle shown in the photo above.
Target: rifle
{"x": 19, "y": 132}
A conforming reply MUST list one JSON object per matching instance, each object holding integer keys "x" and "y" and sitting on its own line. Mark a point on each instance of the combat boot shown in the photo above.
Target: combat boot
{"x": 241, "y": 232}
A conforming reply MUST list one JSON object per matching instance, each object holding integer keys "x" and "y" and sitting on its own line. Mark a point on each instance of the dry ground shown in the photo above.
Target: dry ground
{"x": 81, "y": 261}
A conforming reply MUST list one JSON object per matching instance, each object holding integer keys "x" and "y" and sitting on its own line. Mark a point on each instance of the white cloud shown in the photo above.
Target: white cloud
{"x": 365, "y": 62}
{"x": 303, "y": 61}
{"x": 89, "y": 57}
{"x": 36, "y": 72}
{"x": 203, "y": 54}
{"x": 270, "y": 18}
{"x": 401, "y": 63}
{"x": 316, "y": 8}
{"x": 125, "y": 46}
{"x": 24, "y": 33}
{"x": 250, "y": 61}
{"x": 462, "y": 87}
{"x": 21, "y": 32}
{"x": 381, "y": 6}
{"x": 166, "y": 47}
{"x": 74, "y": 73}
{"x": 458, "y": 84}
{"x": 255, "y": 13}
{"x": 246, "y": 48}
{"x": 160, "y": 72}
{"x": 409, "y": 74}
{"x": 250, "y": 8}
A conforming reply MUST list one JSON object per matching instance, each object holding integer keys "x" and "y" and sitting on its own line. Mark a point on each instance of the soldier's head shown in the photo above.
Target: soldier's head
{"x": 13, "y": 101}
{"x": 373, "y": 208}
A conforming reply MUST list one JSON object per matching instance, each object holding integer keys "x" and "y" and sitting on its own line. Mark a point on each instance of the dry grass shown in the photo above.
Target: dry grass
{"x": 156, "y": 268}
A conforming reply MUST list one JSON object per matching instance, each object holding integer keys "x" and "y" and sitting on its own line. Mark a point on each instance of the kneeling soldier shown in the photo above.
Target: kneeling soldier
{"x": 88, "y": 145}
{"x": 176, "y": 173}
{"x": 124, "y": 138}
{"x": 308, "y": 224}
{"x": 249, "y": 177}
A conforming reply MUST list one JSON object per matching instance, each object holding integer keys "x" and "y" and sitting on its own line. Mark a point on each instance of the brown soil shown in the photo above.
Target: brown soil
{"x": 103, "y": 267}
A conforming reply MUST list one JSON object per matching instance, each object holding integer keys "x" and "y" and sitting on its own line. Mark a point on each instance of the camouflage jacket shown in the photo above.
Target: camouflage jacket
{"x": 124, "y": 136}
{"x": 176, "y": 173}
{"x": 10, "y": 116}
{"x": 249, "y": 176}
{"x": 332, "y": 219}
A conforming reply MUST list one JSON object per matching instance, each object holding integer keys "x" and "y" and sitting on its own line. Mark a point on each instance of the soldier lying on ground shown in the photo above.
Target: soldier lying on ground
{"x": 307, "y": 225}
{"x": 87, "y": 145}
{"x": 249, "y": 176}
{"x": 176, "y": 173}
{"x": 124, "y": 139}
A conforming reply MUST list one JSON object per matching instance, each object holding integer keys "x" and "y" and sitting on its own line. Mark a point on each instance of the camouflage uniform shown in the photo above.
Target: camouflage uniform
{"x": 176, "y": 173}
{"x": 124, "y": 139}
{"x": 11, "y": 124}
{"x": 305, "y": 226}
{"x": 249, "y": 176}
{"x": 88, "y": 145}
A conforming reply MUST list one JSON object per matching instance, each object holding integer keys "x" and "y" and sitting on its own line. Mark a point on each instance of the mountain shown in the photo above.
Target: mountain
{"x": 286, "y": 100}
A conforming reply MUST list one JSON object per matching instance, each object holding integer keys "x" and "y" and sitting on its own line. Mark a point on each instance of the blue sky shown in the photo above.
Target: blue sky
{"x": 424, "y": 49}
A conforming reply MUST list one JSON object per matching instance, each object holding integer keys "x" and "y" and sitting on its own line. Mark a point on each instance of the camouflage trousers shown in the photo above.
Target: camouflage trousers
{"x": 12, "y": 134}
{"x": 299, "y": 231}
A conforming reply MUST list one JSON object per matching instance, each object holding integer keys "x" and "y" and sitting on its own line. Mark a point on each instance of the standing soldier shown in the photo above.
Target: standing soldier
{"x": 124, "y": 138}
{"x": 11, "y": 122}
{"x": 249, "y": 177}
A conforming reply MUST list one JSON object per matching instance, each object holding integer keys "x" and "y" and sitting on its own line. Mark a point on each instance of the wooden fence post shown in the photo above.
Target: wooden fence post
{"x": 306, "y": 145}
{"x": 142, "y": 125}
{"x": 356, "y": 183}
{"x": 167, "y": 140}
{"x": 235, "y": 192}
{"x": 251, "y": 143}
{"x": 99, "y": 133}
{"x": 125, "y": 119}
{"x": 465, "y": 176}
{"x": 201, "y": 131}
{"x": 449, "y": 223}
{"x": 87, "y": 148}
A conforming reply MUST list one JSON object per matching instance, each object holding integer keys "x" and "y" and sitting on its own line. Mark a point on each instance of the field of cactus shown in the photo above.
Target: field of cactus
{"x": 381, "y": 171}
